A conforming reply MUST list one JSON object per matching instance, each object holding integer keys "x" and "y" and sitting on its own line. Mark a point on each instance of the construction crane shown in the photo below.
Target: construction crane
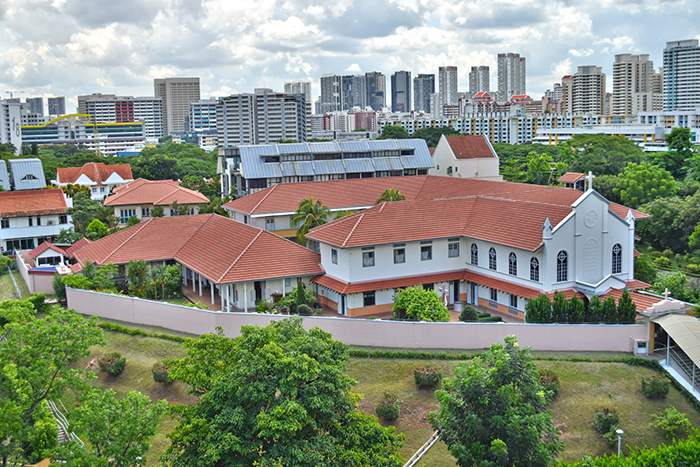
{"x": 96, "y": 136}
{"x": 12, "y": 93}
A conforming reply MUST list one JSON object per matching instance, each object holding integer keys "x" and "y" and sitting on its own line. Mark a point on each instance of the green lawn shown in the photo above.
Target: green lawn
{"x": 585, "y": 386}
{"x": 7, "y": 288}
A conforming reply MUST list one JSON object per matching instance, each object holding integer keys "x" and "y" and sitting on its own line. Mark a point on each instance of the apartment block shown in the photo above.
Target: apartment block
{"x": 109, "y": 108}
{"x": 479, "y": 79}
{"x": 330, "y": 99}
{"x": 584, "y": 91}
{"x": 634, "y": 80}
{"x": 401, "y": 91}
{"x": 681, "y": 75}
{"x": 57, "y": 106}
{"x": 423, "y": 88}
{"x": 447, "y": 81}
{"x": 511, "y": 76}
{"x": 376, "y": 90}
{"x": 176, "y": 94}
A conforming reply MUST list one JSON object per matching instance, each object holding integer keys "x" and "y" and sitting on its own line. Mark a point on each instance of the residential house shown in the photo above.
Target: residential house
{"x": 574, "y": 180}
{"x": 27, "y": 174}
{"x": 97, "y": 176}
{"x": 235, "y": 263}
{"x": 28, "y": 218}
{"x": 466, "y": 156}
{"x": 139, "y": 197}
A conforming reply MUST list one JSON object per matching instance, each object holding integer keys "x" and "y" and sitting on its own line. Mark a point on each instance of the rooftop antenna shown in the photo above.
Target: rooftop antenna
{"x": 12, "y": 93}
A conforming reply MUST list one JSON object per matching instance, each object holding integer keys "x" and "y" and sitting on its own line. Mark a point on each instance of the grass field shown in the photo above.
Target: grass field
{"x": 7, "y": 288}
{"x": 585, "y": 386}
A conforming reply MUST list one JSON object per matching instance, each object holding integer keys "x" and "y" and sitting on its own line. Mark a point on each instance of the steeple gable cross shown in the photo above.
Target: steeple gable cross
{"x": 590, "y": 178}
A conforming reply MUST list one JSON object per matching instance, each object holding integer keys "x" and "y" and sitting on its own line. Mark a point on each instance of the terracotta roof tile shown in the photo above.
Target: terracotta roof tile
{"x": 500, "y": 284}
{"x": 571, "y": 177}
{"x": 98, "y": 172}
{"x": 635, "y": 284}
{"x": 568, "y": 294}
{"x": 154, "y": 192}
{"x": 221, "y": 249}
{"x": 642, "y": 301}
{"x": 470, "y": 147}
{"x": 77, "y": 245}
{"x": 343, "y": 287}
{"x": 32, "y": 203}
{"x": 46, "y": 246}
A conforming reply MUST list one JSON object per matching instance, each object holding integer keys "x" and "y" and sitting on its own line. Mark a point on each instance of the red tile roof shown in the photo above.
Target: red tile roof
{"x": 46, "y": 246}
{"x": 98, "y": 172}
{"x": 32, "y": 203}
{"x": 635, "y": 284}
{"x": 77, "y": 245}
{"x": 343, "y": 287}
{"x": 642, "y": 301}
{"x": 500, "y": 284}
{"x": 470, "y": 147}
{"x": 417, "y": 220}
{"x": 222, "y": 250}
{"x": 154, "y": 192}
{"x": 568, "y": 294}
{"x": 571, "y": 177}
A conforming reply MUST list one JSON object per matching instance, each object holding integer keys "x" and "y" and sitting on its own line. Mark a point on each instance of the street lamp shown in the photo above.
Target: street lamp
{"x": 619, "y": 441}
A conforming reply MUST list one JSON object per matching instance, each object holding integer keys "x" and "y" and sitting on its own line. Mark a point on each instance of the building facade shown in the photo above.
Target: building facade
{"x": 634, "y": 81}
{"x": 331, "y": 94}
{"x": 353, "y": 91}
{"x": 479, "y": 79}
{"x": 448, "y": 81}
{"x": 401, "y": 91}
{"x": 202, "y": 115}
{"x": 376, "y": 90}
{"x": 511, "y": 76}
{"x": 57, "y": 106}
{"x": 681, "y": 75}
{"x": 114, "y": 109}
{"x": 423, "y": 88}
{"x": 11, "y": 124}
{"x": 176, "y": 94}
{"x": 584, "y": 91}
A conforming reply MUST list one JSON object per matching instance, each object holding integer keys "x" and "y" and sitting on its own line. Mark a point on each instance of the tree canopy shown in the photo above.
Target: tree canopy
{"x": 644, "y": 182}
{"x": 308, "y": 215}
{"x": 432, "y": 135}
{"x": 276, "y": 395}
{"x": 390, "y": 195}
{"x": 394, "y": 132}
{"x": 602, "y": 154}
{"x": 494, "y": 412}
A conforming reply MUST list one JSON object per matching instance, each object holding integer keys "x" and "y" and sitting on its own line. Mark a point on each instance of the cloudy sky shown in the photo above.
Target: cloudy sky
{"x": 72, "y": 47}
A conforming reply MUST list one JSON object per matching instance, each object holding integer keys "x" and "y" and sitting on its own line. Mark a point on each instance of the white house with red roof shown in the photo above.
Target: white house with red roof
{"x": 466, "y": 156}
{"x": 574, "y": 180}
{"x": 28, "y": 218}
{"x": 233, "y": 263}
{"x": 137, "y": 198}
{"x": 494, "y": 250}
{"x": 97, "y": 176}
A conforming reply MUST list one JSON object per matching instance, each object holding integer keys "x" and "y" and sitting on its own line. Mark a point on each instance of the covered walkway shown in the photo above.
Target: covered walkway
{"x": 681, "y": 333}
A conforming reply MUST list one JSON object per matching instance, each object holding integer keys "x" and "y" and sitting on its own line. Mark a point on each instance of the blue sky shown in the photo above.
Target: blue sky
{"x": 72, "y": 47}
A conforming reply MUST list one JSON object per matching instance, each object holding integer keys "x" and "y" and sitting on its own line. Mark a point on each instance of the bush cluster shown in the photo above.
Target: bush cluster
{"x": 607, "y": 424}
{"x": 388, "y": 408}
{"x": 160, "y": 373}
{"x": 671, "y": 421}
{"x": 38, "y": 300}
{"x": 561, "y": 310}
{"x": 468, "y": 314}
{"x": 655, "y": 387}
{"x": 428, "y": 376}
{"x": 113, "y": 363}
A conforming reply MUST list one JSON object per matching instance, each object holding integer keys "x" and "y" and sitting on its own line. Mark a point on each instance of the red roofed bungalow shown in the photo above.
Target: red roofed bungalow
{"x": 28, "y": 218}
{"x": 139, "y": 197}
{"x": 97, "y": 176}
{"x": 466, "y": 156}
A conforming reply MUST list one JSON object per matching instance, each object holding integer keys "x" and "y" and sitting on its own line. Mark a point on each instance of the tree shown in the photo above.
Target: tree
{"x": 390, "y": 195}
{"x": 542, "y": 169}
{"x": 394, "y": 132}
{"x": 136, "y": 273}
{"x": 68, "y": 236}
{"x": 602, "y": 154}
{"x": 644, "y": 270}
{"x": 560, "y": 308}
{"x": 577, "y": 310}
{"x": 494, "y": 411}
{"x": 118, "y": 430}
{"x": 681, "y": 150}
{"x": 133, "y": 220}
{"x": 83, "y": 212}
{"x": 96, "y": 230}
{"x": 644, "y": 182}
{"x": 626, "y": 309}
{"x": 539, "y": 310}
{"x": 419, "y": 304}
{"x": 432, "y": 135}
{"x": 595, "y": 310}
{"x": 179, "y": 209}
{"x": 38, "y": 360}
{"x": 274, "y": 395}
{"x": 666, "y": 228}
{"x": 609, "y": 310}
{"x": 157, "y": 211}
{"x": 308, "y": 215}
{"x": 605, "y": 185}
{"x": 677, "y": 285}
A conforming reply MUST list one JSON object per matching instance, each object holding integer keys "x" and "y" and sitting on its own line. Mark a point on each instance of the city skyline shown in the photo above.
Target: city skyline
{"x": 75, "y": 48}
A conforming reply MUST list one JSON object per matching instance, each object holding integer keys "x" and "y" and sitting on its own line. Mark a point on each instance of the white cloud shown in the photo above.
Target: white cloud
{"x": 354, "y": 68}
{"x": 581, "y": 52}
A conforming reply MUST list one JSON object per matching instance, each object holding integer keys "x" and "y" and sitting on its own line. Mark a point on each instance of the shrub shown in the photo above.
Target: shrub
{"x": 388, "y": 408}
{"x": 39, "y": 301}
{"x": 483, "y": 315}
{"x": 304, "y": 309}
{"x": 263, "y": 306}
{"x": 160, "y": 373}
{"x": 112, "y": 363}
{"x": 468, "y": 314}
{"x": 491, "y": 319}
{"x": 607, "y": 424}
{"x": 663, "y": 262}
{"x": 550, "y": 381}
{"x": 655, "y": 254}
{"x": 655, "y": 387}
{"x": 671, "y": 421}
{"x": 693, "y": 268}
{"x": 419, "y": 304}
{"x": 428, "y": 376}
{"x": 667, "y": 253}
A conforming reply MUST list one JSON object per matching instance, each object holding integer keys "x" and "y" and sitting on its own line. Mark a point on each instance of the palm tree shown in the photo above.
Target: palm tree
{"x": 390, "y": 195}
{"x": 308, "y": 215}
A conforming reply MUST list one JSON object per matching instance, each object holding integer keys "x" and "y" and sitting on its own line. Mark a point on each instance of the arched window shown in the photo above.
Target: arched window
{"x": 492, "y": 259}
{"x": 534, "y": 270}
{"x": 617, "y": 259}
{"x": 475, "y": 254}
{"x": 512, "y": 264}
{"x": 562, "y": 266}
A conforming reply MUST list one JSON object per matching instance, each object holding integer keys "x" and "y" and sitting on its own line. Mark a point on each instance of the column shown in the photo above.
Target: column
{"x": 184, "y": 275}
{"x": 284, "y": 287}
{"x": 245, "y": 297}
{"x": 200, "y": 284}
{"x": 211, "y": 286}
{"x": 194, "y": 289}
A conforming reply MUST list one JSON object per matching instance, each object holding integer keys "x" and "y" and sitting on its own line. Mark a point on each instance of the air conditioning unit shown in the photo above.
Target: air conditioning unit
{"x": 50, "y": 222}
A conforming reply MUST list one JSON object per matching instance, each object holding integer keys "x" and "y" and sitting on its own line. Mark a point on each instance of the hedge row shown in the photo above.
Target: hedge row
{"x": 138, "y": 332}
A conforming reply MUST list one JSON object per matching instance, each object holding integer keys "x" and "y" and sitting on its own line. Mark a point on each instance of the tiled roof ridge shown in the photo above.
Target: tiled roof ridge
{"x": 155, "y": 203}
{"x": 347, "y": 239}
{"x": 241, "y": 255}
{"x": 210, "y": 217}
{"x": 142, "y": 225}
{"x": 519, "y": 200}
{"x": 264, "y": 197}
{"x": 341, "y": 220}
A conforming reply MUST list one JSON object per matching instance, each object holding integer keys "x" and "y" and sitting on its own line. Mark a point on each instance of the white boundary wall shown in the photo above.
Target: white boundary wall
{"x": 363, "y": 332}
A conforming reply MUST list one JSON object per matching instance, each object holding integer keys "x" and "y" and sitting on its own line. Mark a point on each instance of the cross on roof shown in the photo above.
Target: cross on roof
{"x": 590, "y": 178}
{"x": 666, "y": 294}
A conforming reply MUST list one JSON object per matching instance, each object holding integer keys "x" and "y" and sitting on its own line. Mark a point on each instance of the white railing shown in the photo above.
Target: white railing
{"x": 61, "y": 420}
